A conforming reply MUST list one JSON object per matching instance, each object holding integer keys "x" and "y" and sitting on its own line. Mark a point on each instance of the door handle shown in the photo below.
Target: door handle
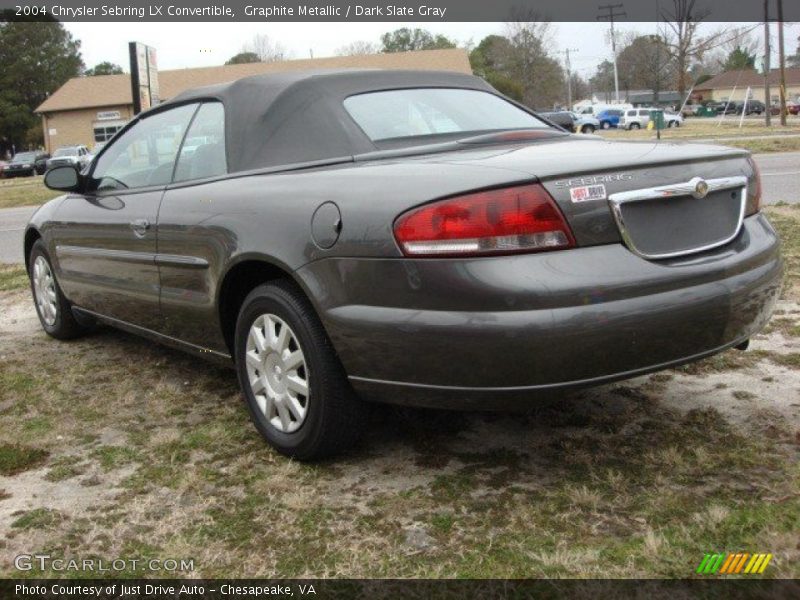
{"x": 140, "y": 227}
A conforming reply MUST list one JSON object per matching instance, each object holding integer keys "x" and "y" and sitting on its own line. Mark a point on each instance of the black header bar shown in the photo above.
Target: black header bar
{"x": 380, "y": 10}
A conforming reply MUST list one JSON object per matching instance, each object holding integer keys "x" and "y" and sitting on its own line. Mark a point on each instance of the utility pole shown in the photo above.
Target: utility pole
{"x": 569, "y": 76}
{"x": 781, "y": 63}
{"x": 767, "y": 93}
{"x": 610, "y": 18}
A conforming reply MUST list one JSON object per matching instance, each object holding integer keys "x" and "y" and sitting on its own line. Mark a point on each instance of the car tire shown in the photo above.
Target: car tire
{"x": 587, "y": 129}
{"x": 605, "y": 125}
{"x": 52, "y": 307}
{"x": 634, "y": 126}
{"x": 303, "y": 404}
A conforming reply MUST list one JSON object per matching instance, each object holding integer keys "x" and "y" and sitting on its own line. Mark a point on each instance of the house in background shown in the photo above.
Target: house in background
{"x": 90, "y": 110}
{"x": 732, "y": 85}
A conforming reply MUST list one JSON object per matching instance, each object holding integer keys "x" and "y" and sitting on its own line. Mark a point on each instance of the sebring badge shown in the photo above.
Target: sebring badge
{"x": 594, "y": 179}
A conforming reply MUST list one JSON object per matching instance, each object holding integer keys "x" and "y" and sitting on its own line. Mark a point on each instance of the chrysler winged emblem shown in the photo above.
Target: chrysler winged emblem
{"x": 700, "y": 188}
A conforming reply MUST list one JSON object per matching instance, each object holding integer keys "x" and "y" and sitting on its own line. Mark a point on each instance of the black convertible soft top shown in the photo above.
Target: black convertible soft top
{"x": 297, "y": 117}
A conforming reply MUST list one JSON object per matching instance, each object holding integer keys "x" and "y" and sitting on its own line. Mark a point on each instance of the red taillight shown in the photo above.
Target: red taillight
{"x": 503, "y": 221}
{"x": 754, "y": 202}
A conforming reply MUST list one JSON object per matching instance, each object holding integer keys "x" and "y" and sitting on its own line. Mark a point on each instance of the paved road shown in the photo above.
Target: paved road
{"x": 12, "y": 225}
{"x": 780, "y": 175}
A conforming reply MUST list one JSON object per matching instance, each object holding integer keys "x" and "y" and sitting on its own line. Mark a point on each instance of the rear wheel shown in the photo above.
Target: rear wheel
{"x": 587, "y": 129}
{"x": 605, "y": 125}
{"x": 54, "y": 310}
{"x": 295, "y": 388}
{"x": 634, "y": 126}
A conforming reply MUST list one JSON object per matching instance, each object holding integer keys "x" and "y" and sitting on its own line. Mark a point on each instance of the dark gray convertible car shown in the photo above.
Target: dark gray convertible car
{"x": 408, "y": 237}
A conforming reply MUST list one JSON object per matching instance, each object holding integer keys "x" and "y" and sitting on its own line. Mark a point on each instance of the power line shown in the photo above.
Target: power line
{"x": 612, "y": 14}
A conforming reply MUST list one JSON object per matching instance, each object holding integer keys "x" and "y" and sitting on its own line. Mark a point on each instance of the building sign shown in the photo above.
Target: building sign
{"x": 108, "y": 115}
{"x": 144, "y": 76}
{"x": 152, "y": 75}
{"x": 52, "y": 131}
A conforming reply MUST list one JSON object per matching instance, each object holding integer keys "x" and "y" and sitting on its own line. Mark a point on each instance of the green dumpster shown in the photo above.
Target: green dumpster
{"x": 657, "y": 118}
{"x": 706, "y": 111}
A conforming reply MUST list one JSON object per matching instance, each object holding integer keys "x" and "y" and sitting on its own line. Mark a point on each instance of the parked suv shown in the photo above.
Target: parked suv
{"x": 78, "y": 156}
{"x": 27, "y": 164}
{"x": 638, "y": 118}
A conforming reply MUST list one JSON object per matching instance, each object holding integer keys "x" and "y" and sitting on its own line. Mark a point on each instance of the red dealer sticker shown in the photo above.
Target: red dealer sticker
{"x": 588, "y": 192}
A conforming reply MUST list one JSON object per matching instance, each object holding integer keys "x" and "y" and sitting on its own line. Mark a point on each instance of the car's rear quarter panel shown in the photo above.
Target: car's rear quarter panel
{"x": 268, "y": 217}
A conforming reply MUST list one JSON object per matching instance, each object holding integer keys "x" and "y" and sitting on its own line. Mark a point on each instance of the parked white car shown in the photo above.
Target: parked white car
{"x": 673, "y": 119}
{"x": 638, "y": 118}
{"x": 78, "y": 156}
{"x": 585, "y": 123}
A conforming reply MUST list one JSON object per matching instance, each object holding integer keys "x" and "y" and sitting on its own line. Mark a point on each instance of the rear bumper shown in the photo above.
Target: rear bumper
{"x": 475, "y": 332}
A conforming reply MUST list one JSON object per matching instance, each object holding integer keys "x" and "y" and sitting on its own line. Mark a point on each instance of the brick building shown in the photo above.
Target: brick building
{"x": 89, "y": 110}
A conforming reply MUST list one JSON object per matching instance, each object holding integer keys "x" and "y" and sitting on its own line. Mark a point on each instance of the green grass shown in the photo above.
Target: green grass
{"x": 12, "y": 277}
{"x": 709, "y": 128}
{"x": 65, "y": 467}
{"x": 24, "y": 191}
{"x": 786, "y": 221}
{"x": 39, "y": 518}
{"x": 17, "y": 458}
{"x": 766, "y": 145}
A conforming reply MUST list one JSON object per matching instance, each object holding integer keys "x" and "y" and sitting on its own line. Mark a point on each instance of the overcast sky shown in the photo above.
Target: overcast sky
{"x": 205, "y": 44}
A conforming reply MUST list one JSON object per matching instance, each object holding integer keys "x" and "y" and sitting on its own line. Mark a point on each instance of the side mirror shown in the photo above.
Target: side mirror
{"x": 64, "y": 178}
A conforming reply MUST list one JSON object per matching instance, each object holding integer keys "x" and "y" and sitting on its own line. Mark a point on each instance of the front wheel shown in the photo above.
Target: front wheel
{"x": 54, "y": 310}
{"x": 634, "y": 126}
{"x": 605, "y": 125}
{"x": 587, "y": 129}
{"x": 295, "y": 388}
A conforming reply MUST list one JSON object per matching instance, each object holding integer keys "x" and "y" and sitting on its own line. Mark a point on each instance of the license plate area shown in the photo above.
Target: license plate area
{"x": 681, "y": 219}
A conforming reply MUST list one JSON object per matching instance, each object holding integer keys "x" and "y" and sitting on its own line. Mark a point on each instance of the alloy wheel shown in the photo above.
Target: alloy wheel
{"x": 44, "y": 288}
{"x": 277, "y": 373}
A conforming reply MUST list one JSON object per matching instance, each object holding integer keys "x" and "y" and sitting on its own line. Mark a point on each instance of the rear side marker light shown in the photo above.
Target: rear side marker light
{"x": 755, "y": 205}
{"x": 503, "y": 221}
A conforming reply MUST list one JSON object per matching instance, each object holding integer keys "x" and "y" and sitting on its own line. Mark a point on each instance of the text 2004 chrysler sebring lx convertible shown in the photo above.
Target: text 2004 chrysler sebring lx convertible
{"x": 409, "y": 237}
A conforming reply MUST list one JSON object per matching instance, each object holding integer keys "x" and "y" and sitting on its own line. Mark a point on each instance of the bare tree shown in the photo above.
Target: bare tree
{"x": 682, "y": 40}
{"x": 735, "y": 38}
{"x": 358, "y": 48}
{"x": 529, "y": 62}
{"x": 644, "y": 63}
{"x": 266, "y": 50}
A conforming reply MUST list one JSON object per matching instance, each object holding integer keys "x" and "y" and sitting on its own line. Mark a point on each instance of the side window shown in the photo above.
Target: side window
{"x": 145, "y": 154}
{"x": 644, "y": 113}
{"x": 631, "y": 113}
{"x": 203, "y": 151}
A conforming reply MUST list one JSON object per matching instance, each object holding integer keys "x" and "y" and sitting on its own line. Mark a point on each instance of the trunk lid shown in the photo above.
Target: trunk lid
{"x": 641, "y": 193}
